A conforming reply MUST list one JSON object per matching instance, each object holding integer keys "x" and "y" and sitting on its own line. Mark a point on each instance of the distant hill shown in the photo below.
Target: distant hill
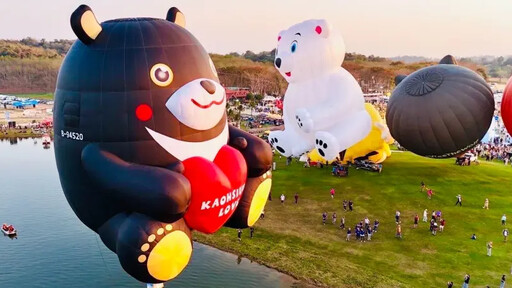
{"x": 411, "y": 59}
{"x": 31, "y": 66}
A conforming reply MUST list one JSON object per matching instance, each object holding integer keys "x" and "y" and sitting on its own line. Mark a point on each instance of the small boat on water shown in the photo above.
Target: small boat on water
{"x": 8, "y": 230}
{"x": 46, "y": 140}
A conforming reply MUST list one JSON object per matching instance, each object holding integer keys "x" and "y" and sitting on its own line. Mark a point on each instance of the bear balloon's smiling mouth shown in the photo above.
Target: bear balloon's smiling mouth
{"x": 209, "y": 104}
{"x": 288, "y": 74}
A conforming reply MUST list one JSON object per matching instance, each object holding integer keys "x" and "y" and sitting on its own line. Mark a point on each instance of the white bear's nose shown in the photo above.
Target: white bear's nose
{"x": 278, "y": 62}
{"x": 209, "y": 86}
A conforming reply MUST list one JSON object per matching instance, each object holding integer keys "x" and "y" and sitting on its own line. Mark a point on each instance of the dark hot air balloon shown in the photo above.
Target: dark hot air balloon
{"x": 440, "y": 111}
{"x": 143, "y": 147}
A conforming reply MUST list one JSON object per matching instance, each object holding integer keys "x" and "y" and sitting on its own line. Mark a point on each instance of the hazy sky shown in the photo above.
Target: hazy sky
{"x": 381, "y": 27}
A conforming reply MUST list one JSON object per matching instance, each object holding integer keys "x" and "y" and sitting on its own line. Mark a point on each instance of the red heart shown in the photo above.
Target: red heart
{"x": 216, "y": 188}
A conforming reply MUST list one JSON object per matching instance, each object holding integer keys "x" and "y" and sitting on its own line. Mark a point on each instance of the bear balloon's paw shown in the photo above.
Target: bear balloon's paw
{"x": 281, "y": 143}
{"x": 166, "y": 253}
{"x": 304, "y": 120}
{"x": 153, "y": 251}
{"x": 327, "y": 145}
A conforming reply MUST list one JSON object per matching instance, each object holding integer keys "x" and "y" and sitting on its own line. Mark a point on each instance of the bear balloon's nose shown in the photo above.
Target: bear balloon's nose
{"x": 208, "y": 86}
{"x": 278, "y": 62}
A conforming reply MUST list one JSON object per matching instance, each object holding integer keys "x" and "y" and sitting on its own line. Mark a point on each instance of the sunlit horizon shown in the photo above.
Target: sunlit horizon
{"x": 383, "y": 28}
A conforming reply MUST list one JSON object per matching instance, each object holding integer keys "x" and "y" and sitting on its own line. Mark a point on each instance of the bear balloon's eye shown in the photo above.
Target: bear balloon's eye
{"x": 161, "y": 75}
{"x": 294, "y": 46}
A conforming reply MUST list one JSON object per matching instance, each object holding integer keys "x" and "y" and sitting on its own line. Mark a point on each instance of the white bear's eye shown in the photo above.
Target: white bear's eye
{"x": 293, "y": 48}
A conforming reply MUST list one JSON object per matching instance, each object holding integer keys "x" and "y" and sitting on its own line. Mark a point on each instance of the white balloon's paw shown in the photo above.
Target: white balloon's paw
{"x": 304, "y": 120}
{"x": 327, "y": 145}
{"x": 280, "y": 144}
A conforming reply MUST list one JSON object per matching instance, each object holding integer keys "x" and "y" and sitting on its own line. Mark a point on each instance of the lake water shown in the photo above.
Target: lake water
{"x": 54, "y": 249}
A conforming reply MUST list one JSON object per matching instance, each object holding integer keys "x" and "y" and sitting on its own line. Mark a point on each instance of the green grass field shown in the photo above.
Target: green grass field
{"x": 292, "y": 238}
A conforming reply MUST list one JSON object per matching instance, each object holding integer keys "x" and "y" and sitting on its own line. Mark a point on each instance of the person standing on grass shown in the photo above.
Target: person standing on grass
{"x": 486, "y": 204}
{"x": 366, "y": 222}
{"x": 282, "y": 198}
{"x": 296, "y": 198}
{"x": 441, "y": 227}
{"x": 332, "y": 193}
{"x": 416, "y": 219}
{"x": 397, "y": 216}
{"x": 434, "y": 215}
{"x": 449, "y": 284}
{"x": 459, "y": 200}
{"x": 466, "y": 281}
{"x": 334, "y": 216}
{"x": 342, "y": 224}
{"x": 434, "y": 230}
{"x": 344, "y": 205}
{"x": 252, "y": 231}
{"x": 398, "y": 231}
{"x": 349, "y": 232}
{"x": 324, "y": 217}
{"x": 503, "y": 219}
{"x": 422, "y": 186}
{"x": 350, "y": 205}
{"x": 502, "y": 282}
{"x": 369, "y": 233}
{"x": 489, "y": 248}
{"x": 505, "y": 234}
{"x": 375, "y": 225}
{"x": 425, "y": 217}
{"x": 239, "y": 234}
{"x": 429, "y": 193}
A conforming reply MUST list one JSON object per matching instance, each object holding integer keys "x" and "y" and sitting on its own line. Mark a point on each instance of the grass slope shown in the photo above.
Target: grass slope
{"x": 292, "y": 238}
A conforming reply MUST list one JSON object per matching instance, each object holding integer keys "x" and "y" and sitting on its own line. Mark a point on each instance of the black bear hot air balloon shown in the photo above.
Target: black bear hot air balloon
{"x": 440, "y": 111}
{"x": 143, "y": 147}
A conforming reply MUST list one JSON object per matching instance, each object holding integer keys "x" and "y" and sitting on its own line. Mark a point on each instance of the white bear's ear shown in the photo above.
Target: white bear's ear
{"x": 322, "y": 28}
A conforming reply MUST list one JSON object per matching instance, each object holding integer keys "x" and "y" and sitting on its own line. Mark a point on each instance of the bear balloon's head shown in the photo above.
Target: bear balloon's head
{"x": 307, "y": 50}
{"x": 144, "y": 88}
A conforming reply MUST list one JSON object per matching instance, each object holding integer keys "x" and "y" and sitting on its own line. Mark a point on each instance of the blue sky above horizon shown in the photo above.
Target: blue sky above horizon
{"x": 387, "y": 28}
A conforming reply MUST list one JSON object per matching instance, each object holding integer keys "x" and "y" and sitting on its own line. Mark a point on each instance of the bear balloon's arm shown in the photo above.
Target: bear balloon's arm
{"x": 344, "y": 97}
{"x": 157, "y": 192}
{"x": 257, "y": 153}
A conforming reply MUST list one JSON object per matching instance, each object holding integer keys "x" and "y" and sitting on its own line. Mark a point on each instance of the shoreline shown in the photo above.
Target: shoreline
{"x": 302, "y": 282}
{"x": 27, "y": 134}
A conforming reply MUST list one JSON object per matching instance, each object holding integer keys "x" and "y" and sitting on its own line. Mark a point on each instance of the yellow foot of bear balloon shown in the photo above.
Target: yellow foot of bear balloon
{"x": 153, "y": 251}
{"x": 253, "y": 201}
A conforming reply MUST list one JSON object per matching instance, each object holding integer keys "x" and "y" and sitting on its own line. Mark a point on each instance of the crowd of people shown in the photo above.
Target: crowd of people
{"x": 490, "y": 152}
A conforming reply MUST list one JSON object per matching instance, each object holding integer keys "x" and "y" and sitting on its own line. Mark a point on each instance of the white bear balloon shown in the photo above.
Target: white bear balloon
{"x": 324, "y": 104}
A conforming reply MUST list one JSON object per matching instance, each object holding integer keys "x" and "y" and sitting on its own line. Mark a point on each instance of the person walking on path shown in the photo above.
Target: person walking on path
{"x": 349, "y": 232}
{"x": 334, "y": 216}
{"x": 503, "y": 219}
{"x": 239, "y": 234}
{"x": 282, "y": 198}
{"x": 332, "y": 193}
{"x": 416, "y": 219}
{"x": 505, "y": 234}
{"x": 296, "y": 198}
{"x": 466, "y": 281}
{"x": 486, "y": 204}
{"x": 502, "y": 282}
{"x": 324, "y": 217}
{"x": 459, "y": 200}
{"x": 489, "y": 248}
{"x": 425, "y": 216}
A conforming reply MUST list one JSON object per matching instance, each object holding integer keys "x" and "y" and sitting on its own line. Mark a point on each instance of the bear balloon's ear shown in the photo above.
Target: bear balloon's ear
{"x": 448, "y": 59}
{"x": 85, "y": 25}
{"x": 175, "y": 16}
{"x": 322, "y": 28}
{"x": 399, "y": 78}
